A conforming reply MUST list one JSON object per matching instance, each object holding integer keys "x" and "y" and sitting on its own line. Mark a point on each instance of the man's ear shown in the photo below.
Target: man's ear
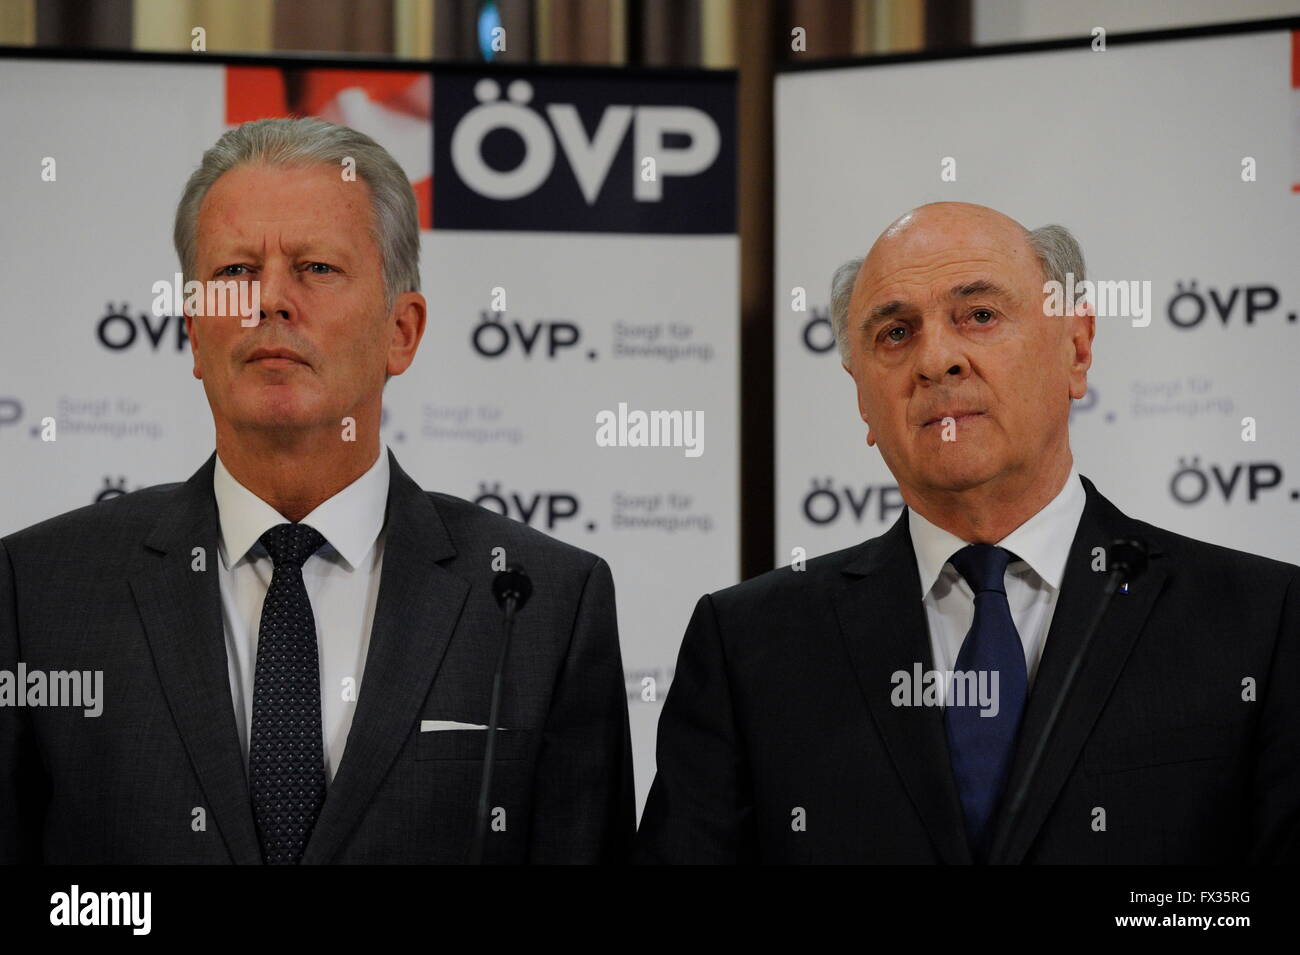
{"x": 190, "y": 326}
{"x": 409, "y": 317}
{"x": 1083, "y": 328}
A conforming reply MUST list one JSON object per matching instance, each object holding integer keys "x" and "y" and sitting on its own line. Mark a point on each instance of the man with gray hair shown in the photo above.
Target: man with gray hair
{"x": 931, "y": 695}
{"x": 299, "y": 643}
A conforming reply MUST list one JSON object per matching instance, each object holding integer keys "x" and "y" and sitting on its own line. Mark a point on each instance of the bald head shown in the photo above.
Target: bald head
{"x": 939, "y": 214}
{"x": 962, "y": 379}
{"x": 916, "y": 235}
{"x": 941, "y": 231}
{"x": 920, "y": 232}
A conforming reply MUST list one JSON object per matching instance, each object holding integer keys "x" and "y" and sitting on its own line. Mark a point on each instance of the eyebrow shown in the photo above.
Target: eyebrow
{"x": 317, "y": 245}
{"x": 978, "y": 287}
{"x": 887, "y": 310}
{"x": 882, "y": 313}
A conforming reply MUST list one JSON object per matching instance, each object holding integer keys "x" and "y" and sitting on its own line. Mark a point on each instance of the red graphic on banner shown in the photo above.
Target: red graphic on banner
{"x": 1295, "y": 116}
{"x": 393, "y": 108}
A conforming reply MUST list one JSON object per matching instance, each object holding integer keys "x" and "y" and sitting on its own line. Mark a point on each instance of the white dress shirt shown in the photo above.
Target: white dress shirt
{"x": 1033, "y": 581}
{"x": 342, "y": 582}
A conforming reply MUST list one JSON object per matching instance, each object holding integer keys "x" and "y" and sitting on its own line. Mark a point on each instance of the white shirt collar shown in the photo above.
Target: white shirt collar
{"x": 1043, "y": 542}
{"x": 350, "y": 520}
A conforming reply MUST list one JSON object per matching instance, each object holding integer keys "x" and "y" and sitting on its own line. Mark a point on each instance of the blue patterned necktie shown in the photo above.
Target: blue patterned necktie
{"x": 980, "y": 747}
{"x": 286, "y": 759}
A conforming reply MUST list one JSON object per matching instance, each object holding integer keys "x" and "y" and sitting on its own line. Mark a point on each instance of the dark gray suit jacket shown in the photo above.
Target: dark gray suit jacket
{"x": 110, "y": 587}
{"x": 780, "y": 705}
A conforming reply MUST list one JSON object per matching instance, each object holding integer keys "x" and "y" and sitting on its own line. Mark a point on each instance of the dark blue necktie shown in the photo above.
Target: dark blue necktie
{"x": 981, "y": 747}
{"x": 286, "y": 758}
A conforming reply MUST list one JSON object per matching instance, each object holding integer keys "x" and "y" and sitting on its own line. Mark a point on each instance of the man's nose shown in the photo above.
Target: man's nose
{"x": 941, "y": 352}
{"x": 275, "y": 292}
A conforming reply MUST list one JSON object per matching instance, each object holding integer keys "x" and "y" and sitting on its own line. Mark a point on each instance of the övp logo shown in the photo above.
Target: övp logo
{"x": 591, "y": 159}
{"x": 549, "y": 510}
{"x": 564, "y": 154}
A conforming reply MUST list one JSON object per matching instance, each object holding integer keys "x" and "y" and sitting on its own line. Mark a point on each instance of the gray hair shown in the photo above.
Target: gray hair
{"x": 293, "y": 142}
{"x": 1058, "y": 252}
{"x": 841, "y": 290}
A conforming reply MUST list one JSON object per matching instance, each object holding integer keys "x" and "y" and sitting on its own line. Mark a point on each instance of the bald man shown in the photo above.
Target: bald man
{"x": 883, "y": 704}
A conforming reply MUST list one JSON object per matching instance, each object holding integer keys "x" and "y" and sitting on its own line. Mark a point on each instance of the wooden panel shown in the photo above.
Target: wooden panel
{"x": 758, "y": 39}
{"x": 413, "y": 28}
{"x": 671, "y": 33}
{"x": 106, "y": 24}
{"x": 18, "y": 22}
{"x": 342, "y": 26}
{"x": 828, "y": 26}
{"x": 578, "y": 31}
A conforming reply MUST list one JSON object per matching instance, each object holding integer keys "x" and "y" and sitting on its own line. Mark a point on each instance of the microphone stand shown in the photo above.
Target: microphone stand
{"x": 1128, "y": 558}
{"x": 511, "y": 588}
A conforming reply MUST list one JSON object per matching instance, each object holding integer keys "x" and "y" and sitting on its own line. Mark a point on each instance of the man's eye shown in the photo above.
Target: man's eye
{"x": 983, "y": 316}
{"x": 226, "y": 270}
{"x": 317, "y": 267}
{"x": 895, "y": 335}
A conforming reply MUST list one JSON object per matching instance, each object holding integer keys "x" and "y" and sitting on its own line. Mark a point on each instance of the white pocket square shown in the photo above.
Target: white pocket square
{"x": 433, "y": 726}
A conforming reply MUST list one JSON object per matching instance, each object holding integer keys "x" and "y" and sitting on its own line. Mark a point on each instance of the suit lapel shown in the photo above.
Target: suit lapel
{"x": 416, "y": 611}
{"x": 883, "y": 624}
{"x": 1081, "y": 592}
{"x": 181, "y": 612}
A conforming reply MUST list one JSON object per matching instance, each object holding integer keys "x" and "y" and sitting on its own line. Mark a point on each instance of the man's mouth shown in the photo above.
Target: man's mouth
{"x": 275, "y": 358}
{"x": 957, "y": 417}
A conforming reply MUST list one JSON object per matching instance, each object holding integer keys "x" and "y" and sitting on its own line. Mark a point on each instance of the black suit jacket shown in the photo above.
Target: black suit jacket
{"x": 111, "y": 587}
{"x": 780, "y": 711}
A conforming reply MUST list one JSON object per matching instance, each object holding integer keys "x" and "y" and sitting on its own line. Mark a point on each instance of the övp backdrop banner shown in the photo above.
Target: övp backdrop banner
{"x": 1175, "y": 163}
{"x": 578, "y": 253}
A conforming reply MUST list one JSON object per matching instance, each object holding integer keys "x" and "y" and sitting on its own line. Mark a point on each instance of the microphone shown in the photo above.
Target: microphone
{"x": 1127, "y": 559}
{"x": 511, "y": 588}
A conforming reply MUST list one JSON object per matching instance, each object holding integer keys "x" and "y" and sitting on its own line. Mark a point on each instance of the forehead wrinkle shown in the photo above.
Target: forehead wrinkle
{"x": 257, "y": 246}
{"x": 984, "y": 287}
{"x": 893, "y": 287}
{"x": 284, "y": 207}
{"x": 945, "y": 260}
{"x": 252, "y": 237}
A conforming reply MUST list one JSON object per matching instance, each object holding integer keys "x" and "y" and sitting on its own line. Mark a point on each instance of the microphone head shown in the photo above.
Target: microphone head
{"x": 512, "y": 584}
{"x": 1128, "y": 555}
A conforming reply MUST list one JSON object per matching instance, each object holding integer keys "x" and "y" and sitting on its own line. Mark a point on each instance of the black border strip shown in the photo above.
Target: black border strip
{"x": 292, "y": 59}
{"x": 1043, "y": 46}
